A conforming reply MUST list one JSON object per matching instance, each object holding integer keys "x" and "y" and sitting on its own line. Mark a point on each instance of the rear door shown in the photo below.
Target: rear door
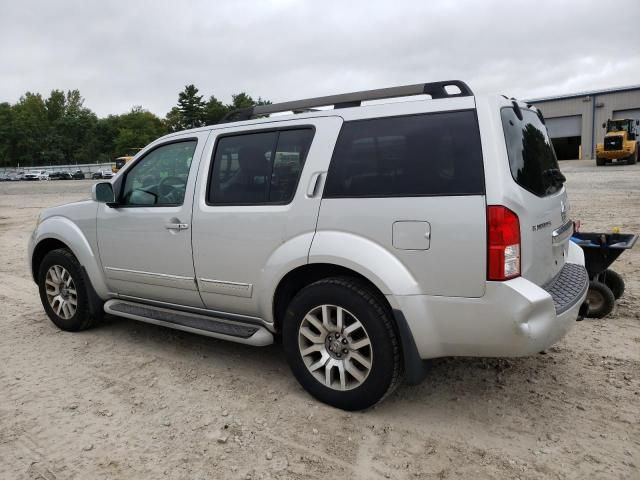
{"x": 413, "y": 185}
{"x": 542, "y": 205}
{"x": 256, "y": 208}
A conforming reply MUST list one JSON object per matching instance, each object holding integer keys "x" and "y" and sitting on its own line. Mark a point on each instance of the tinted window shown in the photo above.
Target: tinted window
{"x": 160, "y": 178}
{"x": 431, "y": 154}
{"x": 532, "y": 159}
{"x": 258, "y": 167}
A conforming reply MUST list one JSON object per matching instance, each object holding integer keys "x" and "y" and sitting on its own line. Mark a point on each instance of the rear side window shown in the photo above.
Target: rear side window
{"x": 417, "y": 155}
{"x": 532, "y": 159}
{"x": 258, "y": 168}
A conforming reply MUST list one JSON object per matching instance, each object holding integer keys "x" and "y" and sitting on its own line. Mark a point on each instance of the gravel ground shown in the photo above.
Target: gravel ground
{"x": 131, "y": 400}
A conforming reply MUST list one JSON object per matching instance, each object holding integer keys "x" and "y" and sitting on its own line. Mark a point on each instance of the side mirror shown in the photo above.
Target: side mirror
{"x": 102, "y": 192}
{"x": 604, "y": 125}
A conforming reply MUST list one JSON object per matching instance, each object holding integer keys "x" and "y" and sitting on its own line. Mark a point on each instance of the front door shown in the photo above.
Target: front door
{"x": 145, "y": 241}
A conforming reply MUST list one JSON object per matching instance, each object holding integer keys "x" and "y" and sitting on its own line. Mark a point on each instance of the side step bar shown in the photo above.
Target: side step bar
{"x": 249, "y": 334}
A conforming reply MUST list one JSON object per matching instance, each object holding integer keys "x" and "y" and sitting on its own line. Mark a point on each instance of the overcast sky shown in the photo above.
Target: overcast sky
{"x": 125, "y": 53}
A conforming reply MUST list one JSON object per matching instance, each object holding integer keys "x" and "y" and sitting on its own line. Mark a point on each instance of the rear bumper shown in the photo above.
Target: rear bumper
{"x": 513, "y": 318}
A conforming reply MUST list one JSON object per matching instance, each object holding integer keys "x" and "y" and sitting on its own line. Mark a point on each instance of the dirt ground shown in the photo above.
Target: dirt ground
{"x": 131, "y": 400}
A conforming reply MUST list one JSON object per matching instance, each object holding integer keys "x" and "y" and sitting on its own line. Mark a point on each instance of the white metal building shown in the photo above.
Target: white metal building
{"x": 575, "y": 121}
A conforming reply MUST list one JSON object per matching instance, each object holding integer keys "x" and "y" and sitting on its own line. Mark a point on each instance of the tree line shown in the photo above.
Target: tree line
{"x": 59, "y": 129}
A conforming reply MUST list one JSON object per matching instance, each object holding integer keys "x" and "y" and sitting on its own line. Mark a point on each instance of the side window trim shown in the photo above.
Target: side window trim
{"x": 119, "y": 183}
{"x": 208, "y": 190}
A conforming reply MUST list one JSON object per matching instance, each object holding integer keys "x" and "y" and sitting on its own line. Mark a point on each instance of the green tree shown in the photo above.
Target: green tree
{"x": 173, "y": 120}
{"x": 136, "y": 129}
{"x": 214, "y": 111}
{"x": 7, "y": 137}
{"x": 191, "y": 107}
{"x": 30, "y": 124}
{"x": 243, "y": 100}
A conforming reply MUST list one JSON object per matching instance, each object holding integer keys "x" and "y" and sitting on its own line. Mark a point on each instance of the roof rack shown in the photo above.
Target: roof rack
{"x": 354, "y": 99}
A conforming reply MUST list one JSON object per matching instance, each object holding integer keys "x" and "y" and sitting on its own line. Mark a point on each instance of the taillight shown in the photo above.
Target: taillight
{"x": 503, "y": 243}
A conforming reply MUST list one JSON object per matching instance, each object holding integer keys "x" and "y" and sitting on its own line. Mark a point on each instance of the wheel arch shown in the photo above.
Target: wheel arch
{"x": 304, "y": 275}
{"x": 60, "y": 232}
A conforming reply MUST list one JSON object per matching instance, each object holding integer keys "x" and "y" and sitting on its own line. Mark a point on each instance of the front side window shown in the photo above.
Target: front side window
{"x": 160, "y": 178}
{"x": 416, "y": 155}
{"x": 257, "y": 168}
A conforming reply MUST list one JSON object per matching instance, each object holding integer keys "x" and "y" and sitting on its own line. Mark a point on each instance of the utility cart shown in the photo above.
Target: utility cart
{"x": 600, "y": 251}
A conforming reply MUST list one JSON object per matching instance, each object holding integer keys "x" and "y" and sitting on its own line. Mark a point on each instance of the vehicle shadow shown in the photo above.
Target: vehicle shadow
{"x": 467, "y": 382}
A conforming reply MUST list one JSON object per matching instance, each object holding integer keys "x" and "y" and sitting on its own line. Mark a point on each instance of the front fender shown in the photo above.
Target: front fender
{"x": 369, "y": 259}
{"x": 64, "y": 230}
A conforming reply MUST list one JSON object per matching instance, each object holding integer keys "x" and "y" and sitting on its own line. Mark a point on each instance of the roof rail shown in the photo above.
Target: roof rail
{"x": 354, "y": 99}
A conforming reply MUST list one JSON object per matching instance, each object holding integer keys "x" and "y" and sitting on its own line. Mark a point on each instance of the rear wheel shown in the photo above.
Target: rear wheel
{"x": 600, "y": 299}
{"x": 64, "y": 293}
{"x": 340, "y": 343}
{"x": 614, "y": 281}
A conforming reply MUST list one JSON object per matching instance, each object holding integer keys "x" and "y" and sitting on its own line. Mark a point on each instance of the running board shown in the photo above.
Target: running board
{"x": 190, "y": 322}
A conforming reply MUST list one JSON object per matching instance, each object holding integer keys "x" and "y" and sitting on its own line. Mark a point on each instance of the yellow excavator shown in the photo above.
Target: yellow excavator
{"x": 620, "y": 142}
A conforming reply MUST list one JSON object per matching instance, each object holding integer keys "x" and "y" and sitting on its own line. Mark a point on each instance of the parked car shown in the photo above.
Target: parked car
{"x": 102, "y": 174}
{"x": 4, "y": 177}
{"x": 60, "y": 175}
{"x": 367, "y": 238}
{"x": 36, "y": 175}
{"x": 78, "y": 175}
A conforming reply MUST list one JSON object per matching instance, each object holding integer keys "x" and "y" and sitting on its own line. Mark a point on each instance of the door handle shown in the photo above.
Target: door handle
{"x": 312, "y": 189}
{"x": 176, "y": 226}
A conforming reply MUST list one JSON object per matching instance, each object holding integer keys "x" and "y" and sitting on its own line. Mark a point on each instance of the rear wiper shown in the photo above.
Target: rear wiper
{"x": 556, "y": 175}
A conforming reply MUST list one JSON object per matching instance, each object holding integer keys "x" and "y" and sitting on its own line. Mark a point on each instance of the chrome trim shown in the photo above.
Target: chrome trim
{"x": 151, "y": 274}
{"x": 559, "y": 235}
{"x": 236, "y": 289}
{"x": 234, "y": 317}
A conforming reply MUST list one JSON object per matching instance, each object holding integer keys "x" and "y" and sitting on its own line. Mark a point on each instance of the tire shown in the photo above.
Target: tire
{"x": 614, "y": 281}
{"x": 633, "y": 159}
{"x": 600, "y": 299}
{"x": 599, "y": 162}
{"x": 56, "y": 268}
{"x": 321, "y": 302}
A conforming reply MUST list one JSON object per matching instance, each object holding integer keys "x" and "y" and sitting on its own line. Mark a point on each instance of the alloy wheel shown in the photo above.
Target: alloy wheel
{"x": 335, "y": 347}
{"x": 61, "y": 292}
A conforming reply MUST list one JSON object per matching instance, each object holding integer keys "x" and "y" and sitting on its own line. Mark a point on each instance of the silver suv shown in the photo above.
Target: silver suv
{"x": 367, "y": 237}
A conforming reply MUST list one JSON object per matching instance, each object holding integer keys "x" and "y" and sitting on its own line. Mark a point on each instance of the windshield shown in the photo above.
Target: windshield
{"x": 620, "y": 126}
{"x": 532, "y": 159}
{"x": 120, "y": 162}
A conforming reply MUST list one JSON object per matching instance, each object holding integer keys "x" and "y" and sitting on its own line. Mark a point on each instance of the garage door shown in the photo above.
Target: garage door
{"x": 561, "y": 127}
{"x": 621, "y": 114}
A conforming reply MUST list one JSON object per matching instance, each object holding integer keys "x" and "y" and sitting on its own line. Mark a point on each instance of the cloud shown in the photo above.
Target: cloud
{"x": 125, "y": 53}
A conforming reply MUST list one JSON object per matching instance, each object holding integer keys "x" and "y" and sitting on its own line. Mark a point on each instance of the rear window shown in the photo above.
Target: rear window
{"x": 531, "y": 156}
{"x": 417, "y": 155}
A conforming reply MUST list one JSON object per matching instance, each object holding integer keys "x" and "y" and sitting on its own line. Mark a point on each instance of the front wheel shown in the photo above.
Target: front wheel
{"x": 599, "y": 161}
{"x": 633, "y": 159}
{"x": 64, "y": 291}
{"x": 341, "y": 344}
